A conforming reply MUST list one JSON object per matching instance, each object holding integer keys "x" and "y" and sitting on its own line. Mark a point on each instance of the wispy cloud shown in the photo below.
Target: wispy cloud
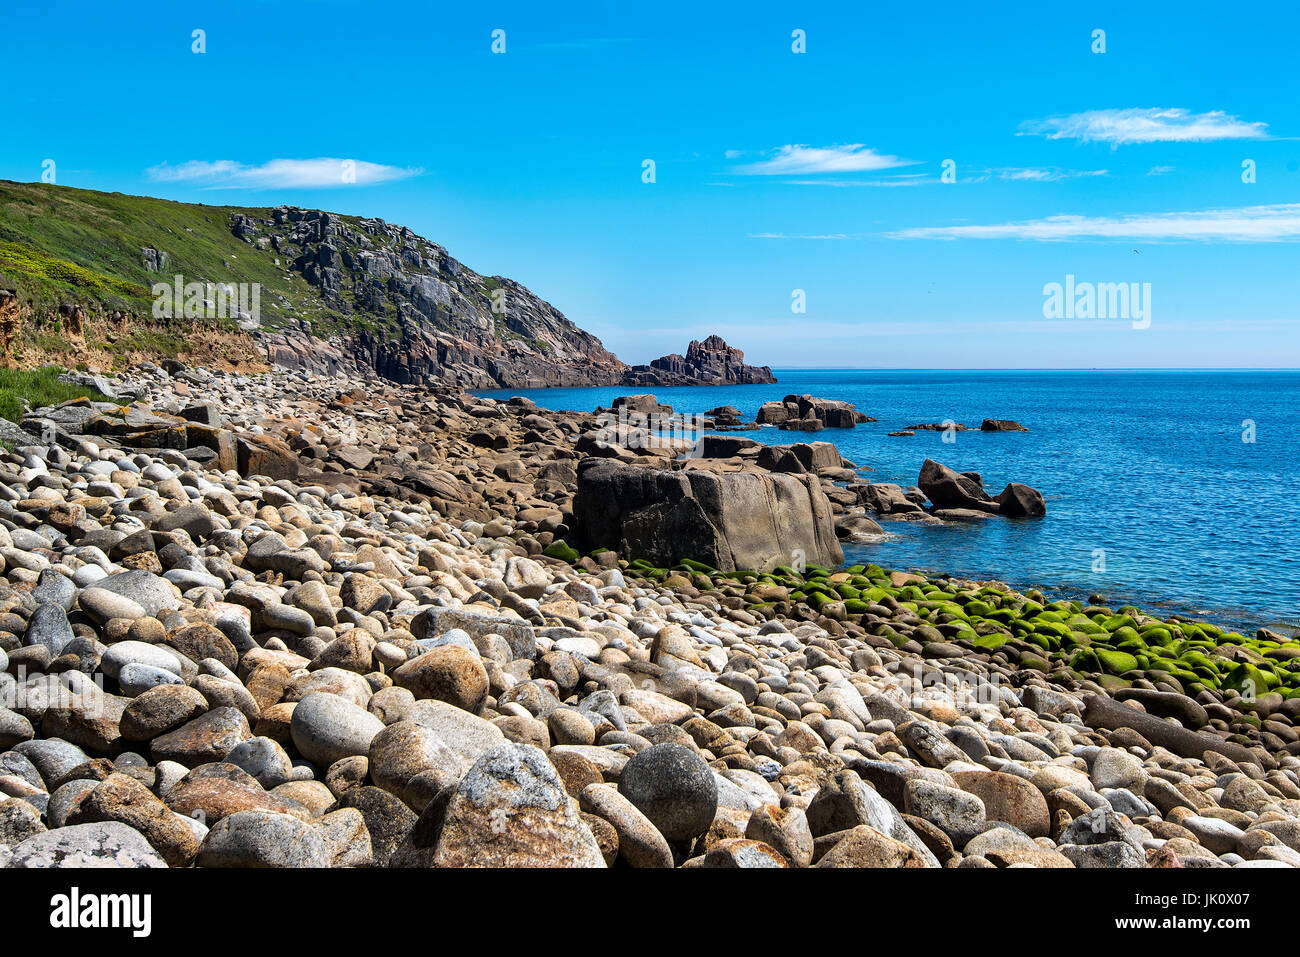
{"x": 320, "y": 173}
{"x": 804, "y": 236}
{"x": 1045, "y": 174}
{"x": 1249, "y": 224}
{"x": 904, "y": 179}
{"x": 1154, "y": 125}
{"x": 794, "y": 160}
{"x": 1160, "y": 170}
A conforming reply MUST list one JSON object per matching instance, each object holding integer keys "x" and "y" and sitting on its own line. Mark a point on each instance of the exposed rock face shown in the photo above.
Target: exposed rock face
{"x": 733, "y": 520}
{"x": 808, "y": 413}
{"x": 411, "y": 313}
{"x": 707, "y": 362}
{"x": 420, "y": 316}
{"x": 155, "y": 260}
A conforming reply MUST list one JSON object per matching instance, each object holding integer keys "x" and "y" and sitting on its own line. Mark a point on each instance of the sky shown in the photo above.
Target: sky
{"x": 798, "y": 204}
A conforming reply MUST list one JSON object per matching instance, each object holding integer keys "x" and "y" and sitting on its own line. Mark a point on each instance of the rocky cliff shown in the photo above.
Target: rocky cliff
{"x": 707, "y": 362}
{"x": 414, "y": 314}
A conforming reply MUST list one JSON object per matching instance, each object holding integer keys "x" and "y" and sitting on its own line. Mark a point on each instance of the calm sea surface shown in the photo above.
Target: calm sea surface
{"x": 1149, "y": 467}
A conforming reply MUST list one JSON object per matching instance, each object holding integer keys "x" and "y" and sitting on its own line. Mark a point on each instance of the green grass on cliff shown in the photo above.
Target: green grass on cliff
{"x": 36, "y": 388}
{"x": 60, "y": 244}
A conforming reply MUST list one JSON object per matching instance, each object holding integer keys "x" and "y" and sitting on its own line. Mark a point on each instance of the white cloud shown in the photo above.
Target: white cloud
{"x": 1047, "y": 174}
{"x": 320, "y": 173}
{"x": 1249, "y": 224}
{"x": 1160, "y": 170}
{"x": 906, "y": 179}
{"x": 795, "y": 160}
{"x": 1154, "y": 125}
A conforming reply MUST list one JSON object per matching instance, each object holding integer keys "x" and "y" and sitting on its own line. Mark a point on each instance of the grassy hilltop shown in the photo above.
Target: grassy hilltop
{"x": 388, "y": 297}
{"x": 63, "y": 245}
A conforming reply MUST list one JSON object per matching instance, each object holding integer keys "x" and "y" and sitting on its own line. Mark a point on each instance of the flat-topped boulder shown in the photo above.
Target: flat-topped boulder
{"x": 724, "y": 446}
{"x": 643, "y": 403}
{"x": 731, "y": 520}
{"x": 800, "y": 457}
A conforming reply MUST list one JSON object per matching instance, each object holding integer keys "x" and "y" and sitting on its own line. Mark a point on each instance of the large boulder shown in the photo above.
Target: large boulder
{"x": 733, "y": 520}
{"x": 511, "y": 810}
{"x": 811, "y": 456}
{"x": 774, "y": 413}
{"x": 949, "y": 489}
{"x": 1021, "y": 501}
{"x": 645, "y": 404}
{"x": 265, "y": 455}
{"x": 723, "y": 446}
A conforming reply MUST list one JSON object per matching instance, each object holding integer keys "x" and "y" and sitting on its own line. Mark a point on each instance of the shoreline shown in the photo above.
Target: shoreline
{"x": 1227, "y": 618}
{"x": 1248, "y": 590}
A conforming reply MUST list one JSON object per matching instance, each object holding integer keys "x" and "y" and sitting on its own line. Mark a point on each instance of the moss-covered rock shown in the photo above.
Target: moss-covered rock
{"x": 562, "y": 550}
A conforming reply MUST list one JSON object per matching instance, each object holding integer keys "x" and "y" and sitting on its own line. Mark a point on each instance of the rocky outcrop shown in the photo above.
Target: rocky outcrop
{"x": 733, "y": 520}
{"x": 948, "y": 489}
{"x": 1001, "y": 425}
{"x": 305, "y": 289}
{"x": 807, "y": 413}
{"x": 936, "y": 427}
{"x": 707, "y": 362}
{"x": 1021, "y": 501}
{"x": 411, "y": 313}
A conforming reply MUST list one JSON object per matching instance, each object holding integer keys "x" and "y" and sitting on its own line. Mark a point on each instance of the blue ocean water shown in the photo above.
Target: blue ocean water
{"x": 1150, "y": 467}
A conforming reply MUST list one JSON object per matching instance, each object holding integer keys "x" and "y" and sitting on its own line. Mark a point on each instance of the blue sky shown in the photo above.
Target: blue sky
{"x": 774, "y": 171}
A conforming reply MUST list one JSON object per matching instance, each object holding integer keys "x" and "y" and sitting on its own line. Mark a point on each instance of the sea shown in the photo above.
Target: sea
{"x": 1176, "y": 491}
